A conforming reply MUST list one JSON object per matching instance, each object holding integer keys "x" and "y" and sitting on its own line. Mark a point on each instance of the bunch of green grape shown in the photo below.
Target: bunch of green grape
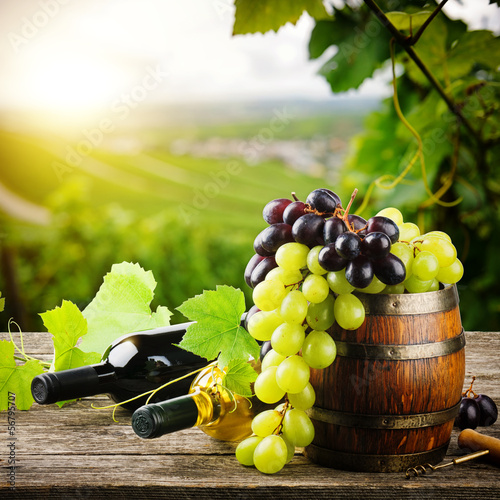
{"x": 308, "y": 261}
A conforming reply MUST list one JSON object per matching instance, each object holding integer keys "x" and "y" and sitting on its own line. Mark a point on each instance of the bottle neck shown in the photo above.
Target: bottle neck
{"x": 85, "y": 381}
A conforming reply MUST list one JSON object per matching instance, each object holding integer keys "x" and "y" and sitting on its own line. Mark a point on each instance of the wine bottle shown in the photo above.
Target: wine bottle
{"x": 132, "y": 365}
{"x": 209, "y": 406}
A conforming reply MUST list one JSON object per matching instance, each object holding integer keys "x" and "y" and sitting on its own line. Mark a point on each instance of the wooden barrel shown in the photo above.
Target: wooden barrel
{"x": 389, "y": 400}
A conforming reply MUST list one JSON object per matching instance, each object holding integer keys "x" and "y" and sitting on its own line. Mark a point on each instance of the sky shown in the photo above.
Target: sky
{"x": 78, "y": 55}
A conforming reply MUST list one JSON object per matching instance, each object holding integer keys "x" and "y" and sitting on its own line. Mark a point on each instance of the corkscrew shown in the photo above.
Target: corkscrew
{"x": 420, "y": 470}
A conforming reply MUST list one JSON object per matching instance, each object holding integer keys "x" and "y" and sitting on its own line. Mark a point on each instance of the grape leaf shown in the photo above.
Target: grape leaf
{"x": 404, "y": 20}
{"x": 67, "y": 325}
{"x": 121, "y": 306}
{"x": 218, "y": 331}
{"x": 15, "y": 378}
{"x": 238, "y": 377}
{"x": 254, "y": 16}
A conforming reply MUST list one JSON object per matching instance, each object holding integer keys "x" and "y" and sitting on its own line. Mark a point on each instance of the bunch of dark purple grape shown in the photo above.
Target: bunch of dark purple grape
{"x": 476, "y": 410}
{"x": 361, "y": 247}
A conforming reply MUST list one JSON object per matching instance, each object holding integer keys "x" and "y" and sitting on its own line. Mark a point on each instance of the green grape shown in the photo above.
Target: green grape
{"x": 262, "y": 324}
{"x": 376, "y": 286}
{"x": 408, "y": 231}
{"x": 434, "y": 285}
{"x": 290, "y": 449}
{"x": 268, "y": 294}
{"x": 270, "y": 455}
{"x": 319, "y": 349}
{"x": 266, "y": 387}
{"x": 338, "y": 282}
{"x": 399, "y": 288}
{"x": 272, "y": 358}
{"x": 292, "y": 256}
{"x": 451, "y": 274}
{"x": 298, "y": 428}
{"x": 312, "y": 261}
{"x": 266, "y": 422}
{"x": 439, "y": 234}
{"x": 293, "y": 309}
{"x": 315, "y": 288}
{"x": 405, "y": 253}
{"x": 245, "y": 450}
{"x": 443, "y": 249}
{"x": 393, "y": 214}
{"x": 414, "y": 285}
{"x": 349, "y": 311}
{"x": 304, "y": 399}
{"x": 288, "y": 278}
{"x": 293, "y": 374}
{"x": 425, "y": 266}
{"x": 288, "y": 338}
{"x": 320, "y": 316}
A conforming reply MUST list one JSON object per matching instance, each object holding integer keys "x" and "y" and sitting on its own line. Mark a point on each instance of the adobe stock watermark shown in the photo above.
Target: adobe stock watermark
{"x": 249, "y": 151}
{"x": 31, "y": 26}
{"x": 119, "y": 111}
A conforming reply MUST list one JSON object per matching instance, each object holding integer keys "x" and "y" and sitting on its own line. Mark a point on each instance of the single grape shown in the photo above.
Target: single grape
{"x": 375, "y": 245}
{"x": 321, "y": 316}
{"x": 330, "y": 260}
{"x": 293, "y": 309}
{"x": 266, "y": 422}
{"x": 264, "y": 350}
{"x": 348, "y": 245}
{"x": 276, "y": 235}
{"x": 245, "y": 450}
{"x": 384, "y": 225}
{"x": 439, "y": 234}
{"x": 293, "y": 211}
{"x": 397, "y": 289}
{"x": 252, "y": 264}
{"x": 349, "y": 311}
{"x": 268, "y": 294}
{"x": 266, "y": 388}
{"x": 376, "y": 286}
{"x": 408, "y": 231}
{"x": 304, "y": 399}
{"x": 392, "y": 213}
{"x": 312, "y": 260}
{"x": 288, "y": 338}
{"x": 308, "y": 230}
{"x": 488, "y": 411}
{"x": 434, "y": 285}
{"x": 290, "y": 449}
{"x": 323, "y": 200}
{"x": 262, "y": 324}
{"x": 333, "y": 228}
{"x": 451, "y": 274}
{"x": 338, "y": 282}
{"x": 298, "y": 428}
{"x": 468, "y": 414}
{"x": 272, "y": 358}
{"x": 292, "y": 375}
{"x": 258, "y": 248}
{"x": 359, "y": 272}
{"x": 414, "y": 285}
{"x": 262, "y": 270}
{"x": 291, "y": 279}
{"x": 425, "y": 266}
{"x": 273, "y": 211}
{"x": 443, "y": 249}
{"x": 315, "y": 288}
{"x": 270, "y": 455}
{"x": 357, "y": 223}
{"x": 319, "y": 349}
{"x": 292, "y": 256}
{"x": 389, "y": 270}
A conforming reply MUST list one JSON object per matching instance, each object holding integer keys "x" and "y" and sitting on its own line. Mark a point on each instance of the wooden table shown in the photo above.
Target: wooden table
{"x": 79, "y": 452}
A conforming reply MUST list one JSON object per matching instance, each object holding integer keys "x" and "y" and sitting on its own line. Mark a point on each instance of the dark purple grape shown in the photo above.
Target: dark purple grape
{"x": 308, "y": 230}
{"x": 357, "y": 223}
{"x": 260, "y": 272}
{"x": 359, "y": 272}
{"x": 273, "y": 211}
{"x": 468, "y": 414}
{"x": 323, "y": 200}
{"x": 293, "y": 211}
{"x": 333, "y": 228}
{"x": 376, "y": 245}
{"x": 257, "y": 245}
{"x": 348, "y": 245}
{"x": 252, "y": 264}
{"x": 330, "y": 260}
{"x": 250, "y": 313}
{"x": 276, "y": 235}
{"x": 380, "y": 224}
{"x": 265, "y": 348}
{"x": 488, "y": 411}
{"x": 390, "y": 270}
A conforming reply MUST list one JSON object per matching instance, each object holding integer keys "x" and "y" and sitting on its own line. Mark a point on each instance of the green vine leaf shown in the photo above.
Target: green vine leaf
{"x": 404, "y": 21}
{"x": 238, "y": 377}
